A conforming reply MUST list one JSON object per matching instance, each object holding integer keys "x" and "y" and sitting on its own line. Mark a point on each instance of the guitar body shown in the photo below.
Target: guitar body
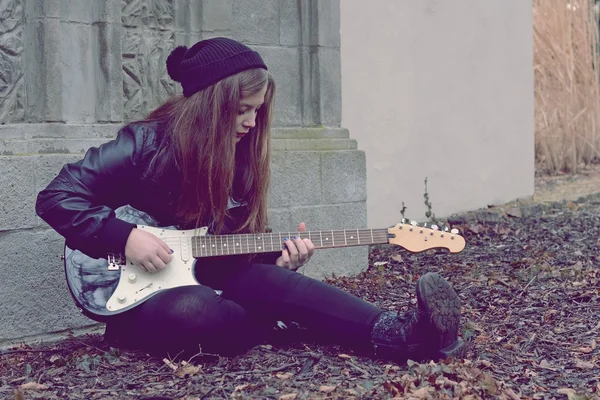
{"x": 105, "y": 287}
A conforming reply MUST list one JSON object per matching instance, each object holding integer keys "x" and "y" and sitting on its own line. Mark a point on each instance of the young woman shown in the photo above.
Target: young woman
{"x": 202, "y": 159}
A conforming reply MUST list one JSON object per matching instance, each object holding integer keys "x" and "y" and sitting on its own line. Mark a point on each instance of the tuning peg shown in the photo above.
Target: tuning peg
{"x": 413, "y": 223}
{"x": 445, "y": 229}
{"x": 454, "y": 231}
{"x": 434, "y": 227}
{"x": 403, "y": 221}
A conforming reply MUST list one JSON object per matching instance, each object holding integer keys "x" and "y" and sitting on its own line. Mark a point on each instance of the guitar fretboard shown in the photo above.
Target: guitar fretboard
{"x": 221, "y": 245}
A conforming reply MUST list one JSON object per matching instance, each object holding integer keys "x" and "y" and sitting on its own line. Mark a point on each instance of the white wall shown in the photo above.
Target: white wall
{"x": 443, "y": 90}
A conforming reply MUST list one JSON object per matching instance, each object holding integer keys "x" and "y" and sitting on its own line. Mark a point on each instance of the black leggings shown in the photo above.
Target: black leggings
{"x": 190, "y": 319}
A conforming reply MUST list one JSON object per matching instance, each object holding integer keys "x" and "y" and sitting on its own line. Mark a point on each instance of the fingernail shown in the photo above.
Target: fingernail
{"x": 172, "y": 251}
{"x": 295, "y": 237}
{"x": 286, "y": 239}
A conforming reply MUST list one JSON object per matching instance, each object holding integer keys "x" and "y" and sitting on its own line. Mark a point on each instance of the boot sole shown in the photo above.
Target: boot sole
{"x": 443, "y": 304}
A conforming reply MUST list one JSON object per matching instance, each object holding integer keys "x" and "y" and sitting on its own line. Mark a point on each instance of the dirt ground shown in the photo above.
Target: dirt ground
{"x": 567, "y": 187}
{"x": 529, "y": 283}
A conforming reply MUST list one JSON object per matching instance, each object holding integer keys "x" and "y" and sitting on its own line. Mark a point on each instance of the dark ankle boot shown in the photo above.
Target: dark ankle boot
{"x": 429, "y": 333}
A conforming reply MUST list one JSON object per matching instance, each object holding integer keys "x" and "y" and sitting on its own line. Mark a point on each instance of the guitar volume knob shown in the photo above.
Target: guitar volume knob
{"x": 132, "y": 278}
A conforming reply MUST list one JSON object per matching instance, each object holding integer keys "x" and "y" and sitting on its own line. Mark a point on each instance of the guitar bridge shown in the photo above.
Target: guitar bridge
{"x": 114, "y": 262}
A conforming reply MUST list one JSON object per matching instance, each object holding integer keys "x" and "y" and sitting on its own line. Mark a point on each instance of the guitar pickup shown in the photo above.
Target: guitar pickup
{"x": 184, "y": 250}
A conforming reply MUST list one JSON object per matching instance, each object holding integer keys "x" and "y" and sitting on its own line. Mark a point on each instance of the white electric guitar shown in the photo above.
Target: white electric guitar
{"x": 105, "y": 287}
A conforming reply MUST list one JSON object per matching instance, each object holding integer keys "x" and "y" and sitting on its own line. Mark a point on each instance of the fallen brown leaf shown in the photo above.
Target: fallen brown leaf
{"x": 289, "y": 396}
{"x": 571, "y": 394}
{"x": 546, "y": 365}
{"x": 422, "y": 393}
{"x": 284, "y": 375}
{"x": 33, "y": 386}
{"x": 326, "y": 388}
{"x": 397, "y": 257}
{"x": 585, "y": 350}
{"x": 187, "y": 370}
{"x": 584, "y": 364}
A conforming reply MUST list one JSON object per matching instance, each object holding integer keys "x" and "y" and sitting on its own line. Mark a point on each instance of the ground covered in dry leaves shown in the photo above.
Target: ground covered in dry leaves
{"x": 529, "y": 280}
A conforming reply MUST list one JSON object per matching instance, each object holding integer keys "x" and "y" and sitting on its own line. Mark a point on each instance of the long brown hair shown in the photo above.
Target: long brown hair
{"x": 200, "y": 137}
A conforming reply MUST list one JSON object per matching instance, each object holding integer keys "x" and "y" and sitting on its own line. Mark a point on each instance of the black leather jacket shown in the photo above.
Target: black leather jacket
{"x": 79, "y": 202}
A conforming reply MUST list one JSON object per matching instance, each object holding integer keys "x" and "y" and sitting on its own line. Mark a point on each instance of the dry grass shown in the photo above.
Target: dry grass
{"x": 567, "y": 94}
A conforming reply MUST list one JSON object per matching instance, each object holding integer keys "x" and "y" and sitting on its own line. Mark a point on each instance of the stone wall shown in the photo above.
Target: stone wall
{"x": 72, "y": 72}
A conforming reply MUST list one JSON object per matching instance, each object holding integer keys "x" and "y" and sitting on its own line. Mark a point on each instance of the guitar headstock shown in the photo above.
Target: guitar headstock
{"x": 416, "y": 239}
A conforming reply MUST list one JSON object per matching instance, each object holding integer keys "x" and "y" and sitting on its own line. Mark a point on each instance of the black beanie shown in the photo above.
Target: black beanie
{"x": 210, "y": 61}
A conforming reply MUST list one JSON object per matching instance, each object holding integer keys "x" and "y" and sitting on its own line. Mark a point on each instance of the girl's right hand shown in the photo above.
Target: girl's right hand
{"x": 146, "y": 250}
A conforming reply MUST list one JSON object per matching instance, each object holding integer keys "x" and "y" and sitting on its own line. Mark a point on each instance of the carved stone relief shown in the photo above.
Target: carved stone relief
{"x": 12, "y": 92}
{"x": 148, "y": 37}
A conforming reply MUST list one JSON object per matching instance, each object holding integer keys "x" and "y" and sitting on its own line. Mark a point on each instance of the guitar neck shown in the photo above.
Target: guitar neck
{"x": 221, "y": 245}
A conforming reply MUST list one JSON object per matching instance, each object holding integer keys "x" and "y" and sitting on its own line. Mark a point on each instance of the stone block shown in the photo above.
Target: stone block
{"x": 34, "y": 299}
{"x": 14, "y": 147}
{"x": 108, "y": 11}
{"x": 327, "y": 18}
{"x": 184, "y": 13}
{"x": 312, "y": 144}
{"x": 78, "y": 66}
{"x": 46, "y": 167}
{"x": 343, "y": 176}
{"x": 339, "y": 261}
{"x": 157, "y": 14}
{"x": 327, "y": 263}
{"x": 46, "y": 131}
{"x": 309, "y": 87}
{"x": 17, "y": 180}
{"x": 331, "y": 216}
{"x": 279, "y": 220}
{"x": 295, "y": 179}
{"x": 12, "y": 89}
{"x": 109, "y": 79}
{"x": 217, "y": 15}
{"x": 48, "y": 146}
{"x": 146, "y": 83}
{"x": 188, "y": 18}
{"x": 79, "y": 11}
{"x": 326, "y": 65}
{"x": 35, "y": 9}
{"x": 284, "y": 65}
{"x": 309, "y": 133}
{"x": 290, "y": 33}
{"x": 256, "y": 21}
{"x": 43, "y": 71}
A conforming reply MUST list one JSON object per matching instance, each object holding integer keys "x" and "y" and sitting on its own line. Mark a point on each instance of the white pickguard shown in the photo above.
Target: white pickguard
{"x": 136, "y": 284}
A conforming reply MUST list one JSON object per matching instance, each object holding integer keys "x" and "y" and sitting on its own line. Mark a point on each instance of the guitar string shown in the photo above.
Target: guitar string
{"x": 257, "y": 243}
